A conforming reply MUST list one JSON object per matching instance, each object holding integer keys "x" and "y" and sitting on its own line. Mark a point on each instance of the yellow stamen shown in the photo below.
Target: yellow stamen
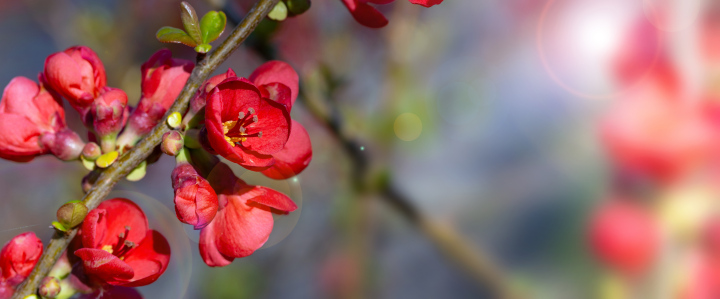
{"x": 229, "y": 125}
{"x": 107, "y": 248}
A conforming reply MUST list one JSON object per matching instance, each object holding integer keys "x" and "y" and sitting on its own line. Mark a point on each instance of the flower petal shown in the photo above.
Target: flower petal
{"x": 294, "y": 157}
{"x": 113, "y": 292}
{"x": 149, "y": 260}
{"x": 278, "y": 92}
{"x": 365, "y": 14}
{"x": 275, "y": 200}
{"x": 195, "y": 201}
{"x": 274, "y": 123}
{"x": 103, "y": 224}
{"x": 426, "y": 3}
{"x": 242, "y": 228}
{"x": 19, "y": 142}
{"x": 277, "y": 72}
{"x": 105, "y": 266}
{"x": 208, "y": 247}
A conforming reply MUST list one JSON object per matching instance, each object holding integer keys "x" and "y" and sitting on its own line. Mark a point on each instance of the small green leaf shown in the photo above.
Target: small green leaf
{"x": 190, "y": 21}
{"x": 212, "y": 25}
{"x": 204, "y": 48}
{"x": 138, "y": 173}
{"x": 59, "y": 226}
{"x": 279, "y": 12}
{"x": 87, "y": 163}
{"x": 174, "y": 35}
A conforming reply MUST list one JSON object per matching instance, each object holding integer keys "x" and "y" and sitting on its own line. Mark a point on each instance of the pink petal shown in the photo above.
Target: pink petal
{"x": 275, "y": 200}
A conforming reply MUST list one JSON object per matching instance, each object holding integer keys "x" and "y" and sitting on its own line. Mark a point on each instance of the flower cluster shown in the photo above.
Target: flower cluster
{"x": 369, "y": 16}
{"x": 246, "y": 121}
{"x": 662, "y": 141}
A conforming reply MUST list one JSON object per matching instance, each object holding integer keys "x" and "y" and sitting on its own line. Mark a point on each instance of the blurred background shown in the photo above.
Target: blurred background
{"x": 515, "y": 129}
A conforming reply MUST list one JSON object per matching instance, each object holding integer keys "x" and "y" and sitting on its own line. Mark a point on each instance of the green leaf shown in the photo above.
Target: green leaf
{"x": 190, "y": 21}
{"x": 59, "y": 226}
{"x": 212, "y": 26}
{"x": 204, "y": 48}
{"x": 174, "y": 35}
{"x": 138, "y": 173}
{"x": 297, "y": 7}
{"x": 279, "y": 12}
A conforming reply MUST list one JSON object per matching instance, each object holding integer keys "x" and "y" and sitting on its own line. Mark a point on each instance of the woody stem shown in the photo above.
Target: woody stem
{"x": 125, "y": 164}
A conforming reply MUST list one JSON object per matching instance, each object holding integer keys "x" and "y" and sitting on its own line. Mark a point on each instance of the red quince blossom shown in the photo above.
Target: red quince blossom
{"x": 17, "y": 259}
{"x": 244, "y": 221}
{"x": 163, "y": 78}
{"x": 244, "y": 127}
{"x": 278, "y": 81}
{"x": 32, "y": 120}
{"x": 368, "y": 16}
{"x": 624, "y": 236}
{"x": 113, "y": 292}
{"x": 118, "y": 247}
{"x": 77, "y": 74}
{"x": 195, "y": 200}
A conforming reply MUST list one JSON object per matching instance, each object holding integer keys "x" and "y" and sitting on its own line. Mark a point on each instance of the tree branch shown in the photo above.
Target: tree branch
{"x": 123, "y": 166}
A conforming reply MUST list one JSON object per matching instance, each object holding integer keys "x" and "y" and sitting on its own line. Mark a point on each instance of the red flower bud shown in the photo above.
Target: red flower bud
{"x": 195, "y": 201}
{"x": 91, "y": 151}
{"x": 163, "y": 78}
{"x": 49, "y": 287}
{"x": 118, "y": 247}
{"x": 17, "y": 259}
{"x": 65, "y": 144}
{"x": 109, "y": 111}
{"x": 27, "y": 112}
{"x": 77, "y": 74}
{"x": 624, "y": 236}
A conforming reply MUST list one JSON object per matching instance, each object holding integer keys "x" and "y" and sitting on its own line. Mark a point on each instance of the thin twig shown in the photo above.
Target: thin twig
{"x": 474, "y": 261}
{"x": 121, "y": 168}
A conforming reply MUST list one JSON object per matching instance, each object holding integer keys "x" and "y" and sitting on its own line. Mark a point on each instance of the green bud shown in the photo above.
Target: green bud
{"x": 297, "y": 7}
{"x": 174, "y": 120}
{"x": 279, "y": 12}
{"x": 172, "y": 143}
{"x": 72, "y": 214}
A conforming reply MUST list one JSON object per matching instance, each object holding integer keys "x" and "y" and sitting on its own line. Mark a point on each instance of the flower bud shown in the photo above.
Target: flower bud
{"x": 49, "y": 287}
{"x": 163, "y": 80}
{"x": 297, "y": 7}
{"x": 196, "y": 202}
{"x": 77, "y": 74}
{"x": 172, "y": 143}
{"x": 72, "y": 213}
{"x": 108, "y": 116}
{"x": 18, "y": 257}
{"x": 66, "y": 145}
{"x": 91, "y": 151}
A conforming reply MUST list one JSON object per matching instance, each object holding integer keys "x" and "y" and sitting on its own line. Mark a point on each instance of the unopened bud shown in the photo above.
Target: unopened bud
{"x": 49, "y": 287}
{"x": 107, "y": 159}
{"x": 172, "y": 143}
{"x": 279, "y": 12}
{"x": 174, "y": 120}
{"x": 72, "y": 213}
{"x": 65, "y": 144}
{"x": 296, "y": 7}
{"x": 91, "y": 151}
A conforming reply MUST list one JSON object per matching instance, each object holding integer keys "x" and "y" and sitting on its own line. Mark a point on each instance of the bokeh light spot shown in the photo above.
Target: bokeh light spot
{"x": 408, "y": 126}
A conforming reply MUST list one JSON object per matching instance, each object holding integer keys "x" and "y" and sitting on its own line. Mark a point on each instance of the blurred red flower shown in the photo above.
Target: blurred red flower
{"x": 17, "y": 259}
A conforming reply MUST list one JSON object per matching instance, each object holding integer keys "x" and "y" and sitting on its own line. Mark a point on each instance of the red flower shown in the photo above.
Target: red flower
{"x": 278, "y": 81}
{"x": 32, "y": 120}
{"x": 119, "y": 249}
{"x": 195, "y": 201}
{"x": 113, "y": 292}
{"x": 77, "y": 74}
{"x": 244, "y": 127}
{"x": 163, "y": 78}
{"x": 17, "y": 259}
{"x": 368, "y": 16}
{"x": 244, "y": 221}
{"x": 624, "y": 236}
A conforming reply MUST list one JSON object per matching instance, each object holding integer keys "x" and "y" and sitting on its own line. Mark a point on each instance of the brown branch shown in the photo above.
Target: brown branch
{"x": 122, "y": 167}
{"x": 474, "y": 261}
